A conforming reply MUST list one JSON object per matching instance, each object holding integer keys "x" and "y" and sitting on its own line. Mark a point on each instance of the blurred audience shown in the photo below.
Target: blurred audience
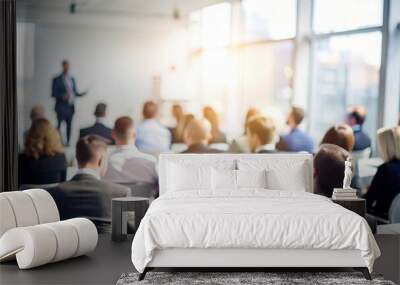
{"x": 340, "y": 135}
{"x": 261, "y": 133}
{"x": 297, "y": 140}
{"x": 126, "y": 164}
{"x": 99, "y": 128}
{"x": 217, "y": 136}
{"x": 151, "y": 135}
{"x": 356, "y": 118}
{"x": 183, "y": 123}
{"x": 43, "y": 160}
{"x": 85, "y": 195}
{"x": 329, "y": 168}
{"x": 177, "y": 131}
{"x": 386, "y": 182}
{"x": 196, "y": 136}
{"x": 241, "y": 144}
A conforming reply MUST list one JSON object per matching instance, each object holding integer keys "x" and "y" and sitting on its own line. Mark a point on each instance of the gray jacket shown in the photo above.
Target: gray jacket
{"x": 86, "y": 196}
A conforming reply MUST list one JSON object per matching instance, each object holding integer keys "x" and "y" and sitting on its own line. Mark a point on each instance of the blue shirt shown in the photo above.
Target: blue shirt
{"x": 361, "y": 139}
{"x": 297, "y": 140}
{"x": 151, "y": 136}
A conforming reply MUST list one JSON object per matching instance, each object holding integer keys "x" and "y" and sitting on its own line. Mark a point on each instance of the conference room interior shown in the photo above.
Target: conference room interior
{"x": 314, "y": 66}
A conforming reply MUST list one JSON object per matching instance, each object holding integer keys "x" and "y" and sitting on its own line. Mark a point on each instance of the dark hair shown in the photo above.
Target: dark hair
{"x": 329, "y": 168}
{"x": 150, "y": 109}
{"x": 122, "y": 125}
{"x": 88, "y": 147}
{"x": 100, "y": 110}
{"x": 298, "y": 114}
{"x": 341, "y": 135}
{"x": 65, "y": 61}
{"x": 359, "y": 118}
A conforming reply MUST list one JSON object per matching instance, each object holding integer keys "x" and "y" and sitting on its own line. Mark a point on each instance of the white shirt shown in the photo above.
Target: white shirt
{"x": 69, "y": 85}
{"x": 126, "y": 164}
{"x": 151, "y": 136}
{"x": 268, "y": 147}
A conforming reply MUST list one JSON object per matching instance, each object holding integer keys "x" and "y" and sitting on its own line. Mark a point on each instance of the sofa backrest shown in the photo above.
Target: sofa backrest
{"x": 26, "y": 208}
{"x": 288, "y": 170}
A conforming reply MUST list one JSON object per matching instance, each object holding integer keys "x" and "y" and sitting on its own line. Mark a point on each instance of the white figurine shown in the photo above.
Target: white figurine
{"x": 348, "y": 174}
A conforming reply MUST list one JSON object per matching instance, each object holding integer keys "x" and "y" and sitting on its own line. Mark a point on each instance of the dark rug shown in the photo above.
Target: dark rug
{"x": 225, "y": 278}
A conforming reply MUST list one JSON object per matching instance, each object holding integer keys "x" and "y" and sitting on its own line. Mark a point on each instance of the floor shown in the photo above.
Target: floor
{"x": 110, "y": 259}
{"x": 103, "y": 266}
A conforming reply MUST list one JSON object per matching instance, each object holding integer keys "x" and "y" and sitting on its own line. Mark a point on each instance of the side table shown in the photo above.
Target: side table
{"x": 356, "y": 205}
{"x": 120, "y": 208}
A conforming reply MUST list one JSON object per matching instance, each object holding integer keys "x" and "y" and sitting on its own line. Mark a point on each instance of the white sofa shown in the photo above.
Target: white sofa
{"x": 31, "y": 231}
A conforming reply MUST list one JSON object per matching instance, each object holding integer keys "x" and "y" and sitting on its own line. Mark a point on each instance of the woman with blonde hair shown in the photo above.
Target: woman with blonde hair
{"x": 217, "y": 136}
{"x": 386, "y": 182}
{"x": 43, "y": 160}
{"x": 241, "y": 144}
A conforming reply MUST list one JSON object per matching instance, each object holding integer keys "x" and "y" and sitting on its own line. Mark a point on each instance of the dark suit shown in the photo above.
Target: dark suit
{"x": 45, "y": 170}
{"x": 361, "y": 139}
{"x": 267, "y": 151}
{"x": 98, "y": 129}
{"x": 384, "y": 188}
{"x": 86, "y": 196}
{"x": 201, "y": 148}
{"x": 64, "y": 109}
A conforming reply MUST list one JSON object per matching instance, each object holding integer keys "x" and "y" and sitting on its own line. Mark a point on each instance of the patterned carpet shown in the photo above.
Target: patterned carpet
{"x": 225, "y": 278}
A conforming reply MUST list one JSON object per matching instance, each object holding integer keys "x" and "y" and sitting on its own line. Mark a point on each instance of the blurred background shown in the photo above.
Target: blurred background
{"x": 323, "y": 55}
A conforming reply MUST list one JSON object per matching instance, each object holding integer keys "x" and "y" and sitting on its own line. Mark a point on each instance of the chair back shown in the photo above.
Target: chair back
{"x": 37, "y": 186}
{"x": 140, "y": 189}
{"x": 26, "y": 208}
{"x": 394, "y": 211}
{"x": 82, "y": 204}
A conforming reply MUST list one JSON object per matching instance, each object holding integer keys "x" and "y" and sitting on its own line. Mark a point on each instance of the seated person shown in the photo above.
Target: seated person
{"x": 177, "y": 132}
{"x": 296, "y": 140}
{"x": 43, "y": 160}
{"x": 386, "y": 182}
{"x": 329, "y": 168}
{"x": 340, "y": 135}
{"x": 126, "y": 164}
{"x": 217, "y": 136}
{"x": 151, "y": 135}
{"x": 261, "y": 134}
{"x": 85, "y": 195}
{"x": 99, "y": 128}
{"x": 241, "y": 144}
{"x": 37, "y": 112}
{"x": 356, "y": 118}
{"x": 196, "y": 137}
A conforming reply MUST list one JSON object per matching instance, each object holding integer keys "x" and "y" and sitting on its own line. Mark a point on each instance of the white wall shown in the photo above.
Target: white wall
{"x": 116, "y": 65}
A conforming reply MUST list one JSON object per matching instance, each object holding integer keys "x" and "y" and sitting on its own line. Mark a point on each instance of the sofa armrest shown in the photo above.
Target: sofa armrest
{"x": 41, "y": 244}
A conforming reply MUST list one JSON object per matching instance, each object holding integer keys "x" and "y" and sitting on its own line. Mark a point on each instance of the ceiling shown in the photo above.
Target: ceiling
{"x": 151, "y": 8}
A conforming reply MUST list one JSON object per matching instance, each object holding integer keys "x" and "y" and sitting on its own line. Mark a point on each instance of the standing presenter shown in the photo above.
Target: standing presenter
{"x": 65, "y": 92}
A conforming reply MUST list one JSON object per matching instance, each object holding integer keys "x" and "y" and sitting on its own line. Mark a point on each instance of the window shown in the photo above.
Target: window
{"x": 268, "y": 19}
{"x": 342, "y": 15}
{"x": 267, "y": 75}
{"x": 346, "y": 74}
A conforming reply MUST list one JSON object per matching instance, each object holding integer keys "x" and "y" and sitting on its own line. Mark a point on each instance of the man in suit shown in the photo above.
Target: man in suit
{"x": 356, "y": 118}
{"x": 261, "y": 134}
{"x": 98, "y": 128}
{"x": 196, "y": 137}
{"x": 64, "y": 91}
{"x": 85, "y": 195}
